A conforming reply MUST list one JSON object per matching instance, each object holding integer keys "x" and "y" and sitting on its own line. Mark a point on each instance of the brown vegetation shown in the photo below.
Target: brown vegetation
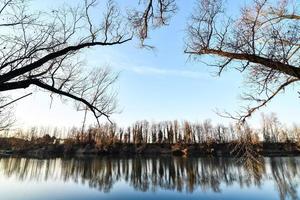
{"x": 168, "y": 137}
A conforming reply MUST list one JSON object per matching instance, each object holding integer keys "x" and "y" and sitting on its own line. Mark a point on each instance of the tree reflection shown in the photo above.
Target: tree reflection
{"x": 284, "y": 171}
{"x": 150, "y": 174}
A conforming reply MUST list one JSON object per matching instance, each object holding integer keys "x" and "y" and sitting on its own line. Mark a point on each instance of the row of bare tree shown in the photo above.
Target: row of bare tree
{"x": 170, "y": 132}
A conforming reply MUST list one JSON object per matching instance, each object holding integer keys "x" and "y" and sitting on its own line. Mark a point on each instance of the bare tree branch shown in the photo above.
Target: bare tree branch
{"x": 262, "y": 42}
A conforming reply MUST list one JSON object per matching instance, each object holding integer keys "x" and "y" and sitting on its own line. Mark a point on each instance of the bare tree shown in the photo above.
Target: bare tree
{"x": 153, "y": 133}
{"x": 246, "y": 148}
{"x": 6, "y": 115}
{"x": 153, "y": 14}
{"x": 263, "y": 42}
{"x": 271, "y": 128}
{"x": 187, "y": 131}
{"x": 96, "y": 88}
{"x": 45, "y": 49}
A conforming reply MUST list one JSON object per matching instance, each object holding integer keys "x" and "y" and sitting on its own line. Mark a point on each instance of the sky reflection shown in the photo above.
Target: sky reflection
{"x": 147, "y": 178}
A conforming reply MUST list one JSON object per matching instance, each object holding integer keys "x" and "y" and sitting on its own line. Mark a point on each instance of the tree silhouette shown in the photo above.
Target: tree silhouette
{"x": 263, "y": 42}
{"x": 44, "y": 48}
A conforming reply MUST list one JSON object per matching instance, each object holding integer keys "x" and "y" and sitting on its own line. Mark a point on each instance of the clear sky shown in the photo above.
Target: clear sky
{"x": 158, "y": 85}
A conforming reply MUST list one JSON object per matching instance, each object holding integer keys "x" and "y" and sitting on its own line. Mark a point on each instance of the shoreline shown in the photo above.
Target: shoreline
{"x": 120, "y": 149}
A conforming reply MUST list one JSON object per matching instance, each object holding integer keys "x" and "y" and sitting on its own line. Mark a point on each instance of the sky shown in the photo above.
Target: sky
{"x": 158, "y": 85}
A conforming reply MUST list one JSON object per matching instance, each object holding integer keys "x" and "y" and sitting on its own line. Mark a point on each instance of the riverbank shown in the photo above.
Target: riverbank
{"x": 25, "y": 148}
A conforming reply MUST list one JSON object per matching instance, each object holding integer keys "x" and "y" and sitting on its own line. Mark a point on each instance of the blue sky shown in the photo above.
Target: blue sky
{"x": 158, "y": 85}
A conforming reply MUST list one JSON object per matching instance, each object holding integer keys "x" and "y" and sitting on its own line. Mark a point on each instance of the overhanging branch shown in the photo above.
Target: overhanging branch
{"x": 15, "y": 73}
{"x": 26, "y": 83}
{"x": 272, "y": 64}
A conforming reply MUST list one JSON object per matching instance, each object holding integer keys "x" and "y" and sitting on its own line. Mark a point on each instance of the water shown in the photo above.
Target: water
{"x": 147, "y": 178}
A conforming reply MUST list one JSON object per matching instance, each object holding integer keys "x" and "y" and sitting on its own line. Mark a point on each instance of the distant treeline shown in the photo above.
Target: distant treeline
{"x": 166, "y": 132}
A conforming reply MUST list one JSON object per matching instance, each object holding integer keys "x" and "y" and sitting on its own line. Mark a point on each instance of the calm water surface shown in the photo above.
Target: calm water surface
{"x": 147, "y": 178}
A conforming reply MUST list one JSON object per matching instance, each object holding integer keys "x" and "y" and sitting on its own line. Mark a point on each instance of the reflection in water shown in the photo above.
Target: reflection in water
{"x": 151, "y": 174}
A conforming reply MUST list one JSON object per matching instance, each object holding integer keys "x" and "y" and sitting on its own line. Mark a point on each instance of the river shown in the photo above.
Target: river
{"x": 148, "y": 178}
